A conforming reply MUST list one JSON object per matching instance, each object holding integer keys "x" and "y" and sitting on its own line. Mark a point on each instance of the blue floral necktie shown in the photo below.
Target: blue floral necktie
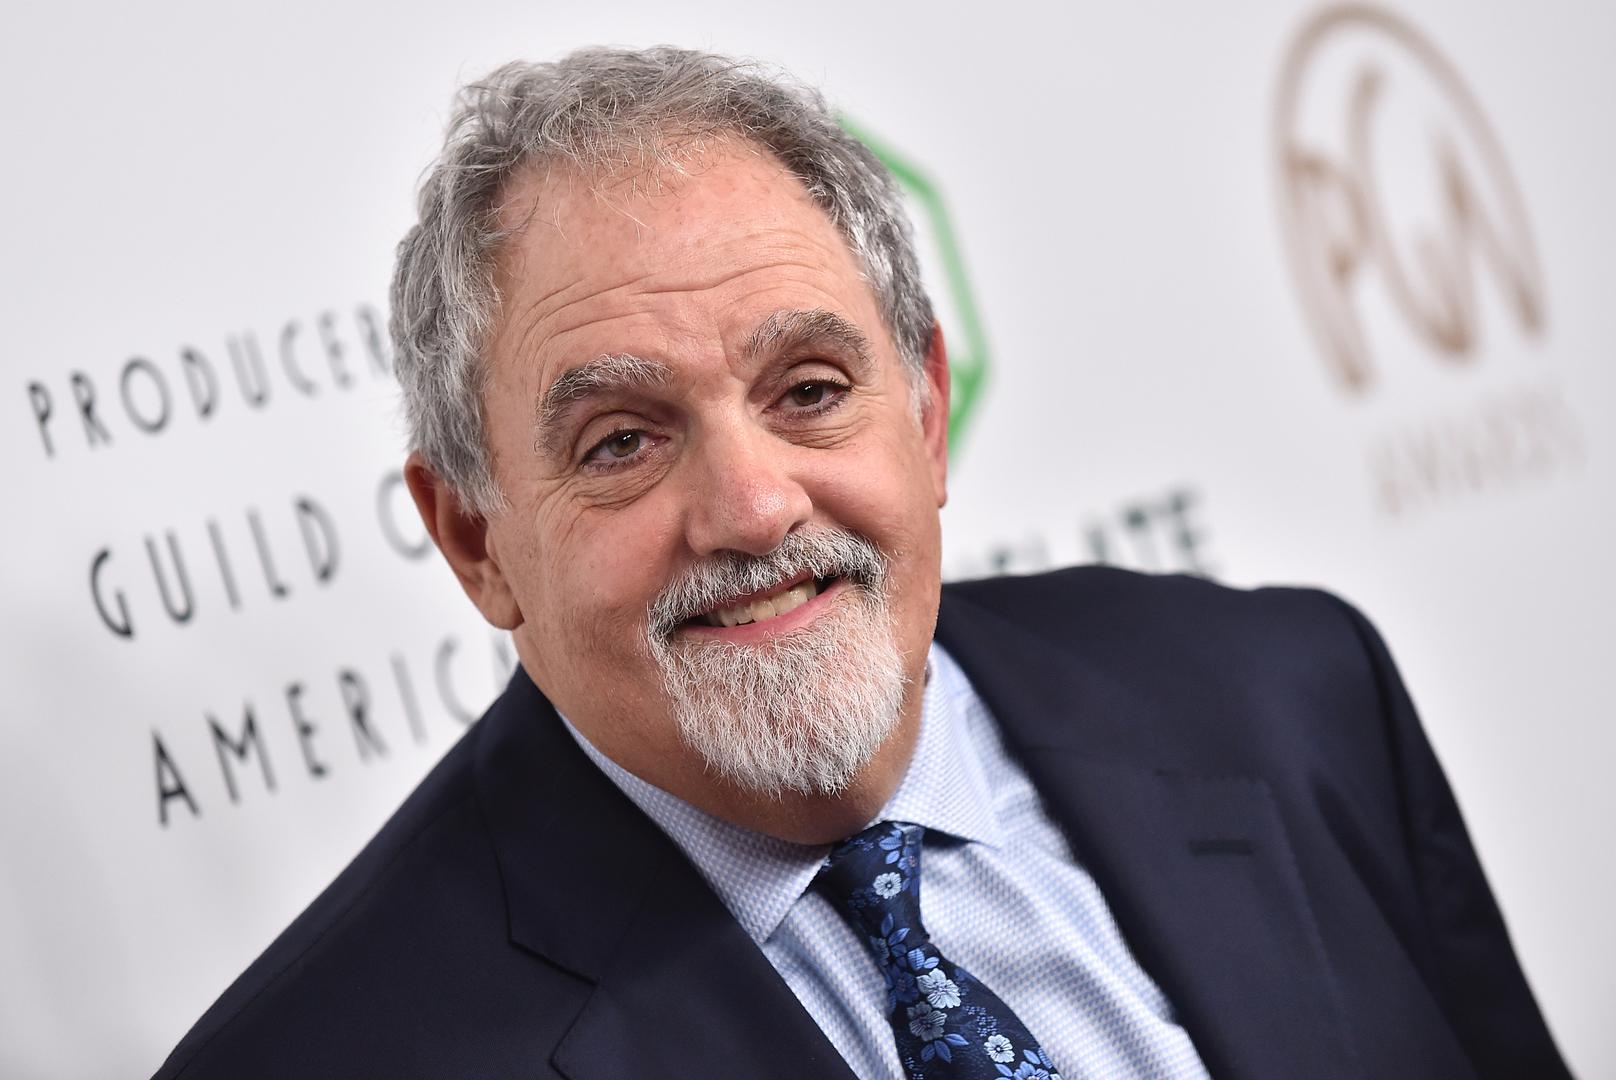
{"x": 948, "y": 1025}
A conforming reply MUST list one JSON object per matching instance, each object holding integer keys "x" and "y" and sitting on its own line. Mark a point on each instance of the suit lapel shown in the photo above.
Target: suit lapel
{"x": 593, "y": 886}
{"x": 689, "y": 994}
{"x": 1196, "y": 868}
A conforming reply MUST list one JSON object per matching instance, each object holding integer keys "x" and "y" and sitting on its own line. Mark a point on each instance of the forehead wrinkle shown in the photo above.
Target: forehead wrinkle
{"x": 768, "y": 251}
{"x": 652, "y": 285}
{"x": 578, "y": 294}
{"x": 603, "y": 374}
{"x": 534, "y": 317}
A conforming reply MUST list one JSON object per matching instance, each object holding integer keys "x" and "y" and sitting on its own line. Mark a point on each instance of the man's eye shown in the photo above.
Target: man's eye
{"x": 807, "y": 393}
{"x": 623, "y": 444}
{"x": 619, "y": 446}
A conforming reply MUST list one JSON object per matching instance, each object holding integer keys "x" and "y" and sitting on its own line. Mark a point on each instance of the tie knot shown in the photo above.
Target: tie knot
{"x": 874, "y": 877}
{"x": 947, "y": 1024}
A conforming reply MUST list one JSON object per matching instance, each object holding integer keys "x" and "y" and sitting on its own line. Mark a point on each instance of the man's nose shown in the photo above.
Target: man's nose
{"x": 745, "y": 495}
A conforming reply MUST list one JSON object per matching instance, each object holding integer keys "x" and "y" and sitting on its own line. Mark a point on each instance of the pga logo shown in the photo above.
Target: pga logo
{"x": 1395, "y": 195}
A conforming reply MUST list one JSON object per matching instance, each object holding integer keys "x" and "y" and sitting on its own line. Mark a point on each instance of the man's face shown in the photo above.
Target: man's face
{"x": 681, "y": 381}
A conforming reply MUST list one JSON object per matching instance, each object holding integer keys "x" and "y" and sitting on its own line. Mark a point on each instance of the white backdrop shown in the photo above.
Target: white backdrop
{"x": 1168, "y": 311}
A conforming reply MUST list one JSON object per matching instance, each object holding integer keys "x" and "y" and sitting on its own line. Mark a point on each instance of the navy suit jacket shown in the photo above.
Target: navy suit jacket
{"x": 1241, "y": 772}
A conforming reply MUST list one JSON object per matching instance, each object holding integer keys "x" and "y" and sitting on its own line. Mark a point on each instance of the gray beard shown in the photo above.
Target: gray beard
{"x": 806, "y": 711}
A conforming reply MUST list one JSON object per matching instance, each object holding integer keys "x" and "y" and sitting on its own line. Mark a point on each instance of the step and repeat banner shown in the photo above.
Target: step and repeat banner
{"x": 1271, "y": 292}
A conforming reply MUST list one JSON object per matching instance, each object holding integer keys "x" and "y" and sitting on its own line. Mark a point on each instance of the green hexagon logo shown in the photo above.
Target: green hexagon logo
{"x": 943, "y": 269}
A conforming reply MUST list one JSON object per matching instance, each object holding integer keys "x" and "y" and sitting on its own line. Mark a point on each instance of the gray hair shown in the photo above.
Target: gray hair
{"x": 595, "y": 110}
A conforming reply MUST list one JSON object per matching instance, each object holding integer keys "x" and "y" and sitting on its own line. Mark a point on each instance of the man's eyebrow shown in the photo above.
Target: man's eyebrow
{"x": 790, "y": 331}
{"x": 602, "y": 375}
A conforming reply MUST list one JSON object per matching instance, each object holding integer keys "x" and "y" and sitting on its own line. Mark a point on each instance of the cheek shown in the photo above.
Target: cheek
{"x": 892, "y": 500}
{"x": 887, "y": 496}
{"x": 600, "y": 570}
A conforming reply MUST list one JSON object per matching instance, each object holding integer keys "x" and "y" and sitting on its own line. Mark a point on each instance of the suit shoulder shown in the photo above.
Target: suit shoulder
{"x": 1271, "y": 674}
{"x": 1153, "y": 608}
{"x": 317, "y": 957}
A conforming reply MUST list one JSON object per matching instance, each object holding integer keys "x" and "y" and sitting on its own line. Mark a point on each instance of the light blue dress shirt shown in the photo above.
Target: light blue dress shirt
{"x": 1000, "y": 894}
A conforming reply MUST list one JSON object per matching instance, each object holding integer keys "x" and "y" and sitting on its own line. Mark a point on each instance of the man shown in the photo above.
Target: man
{"x": 762, "y": 798}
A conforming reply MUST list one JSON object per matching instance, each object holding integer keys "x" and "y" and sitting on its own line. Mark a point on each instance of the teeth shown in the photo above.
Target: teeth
{"x": 765, "y": 608}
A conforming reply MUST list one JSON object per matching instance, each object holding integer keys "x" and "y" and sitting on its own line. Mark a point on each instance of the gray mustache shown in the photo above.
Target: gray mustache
{"x": 818, "y": 552}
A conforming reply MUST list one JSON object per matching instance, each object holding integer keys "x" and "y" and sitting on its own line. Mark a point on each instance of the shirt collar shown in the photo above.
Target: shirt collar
{"x": 757, "y": 876}
{"x": 945, "y": 789}
{"x": 760, "y": 877}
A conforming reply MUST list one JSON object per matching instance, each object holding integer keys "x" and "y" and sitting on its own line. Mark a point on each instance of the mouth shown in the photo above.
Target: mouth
{"x": 766, "y": 606}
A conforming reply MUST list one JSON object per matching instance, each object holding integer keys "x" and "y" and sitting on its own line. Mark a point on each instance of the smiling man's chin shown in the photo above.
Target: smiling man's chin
{"x": 781, "y": 670}
{"x": 800, "y": 712}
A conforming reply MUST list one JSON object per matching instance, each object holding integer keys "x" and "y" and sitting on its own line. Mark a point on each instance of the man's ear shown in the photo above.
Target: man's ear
{"x": 934, "y": 417}
{"x": 463, "y": 536}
